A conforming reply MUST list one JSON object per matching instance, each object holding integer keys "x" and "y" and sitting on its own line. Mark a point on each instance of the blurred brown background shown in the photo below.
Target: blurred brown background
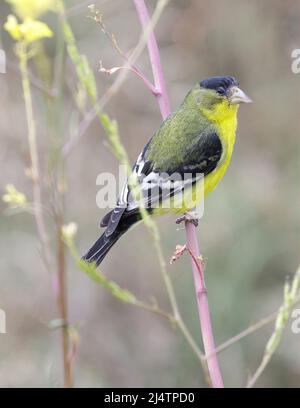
{"x": 249, "y": 233}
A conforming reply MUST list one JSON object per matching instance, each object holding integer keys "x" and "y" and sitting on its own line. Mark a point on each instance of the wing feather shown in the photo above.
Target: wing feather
{"x": 158, "y": 184}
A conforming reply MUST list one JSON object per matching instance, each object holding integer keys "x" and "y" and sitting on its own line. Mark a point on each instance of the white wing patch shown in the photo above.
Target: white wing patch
{"x": 136, "y": 171}
{"x": 155, "y": 187}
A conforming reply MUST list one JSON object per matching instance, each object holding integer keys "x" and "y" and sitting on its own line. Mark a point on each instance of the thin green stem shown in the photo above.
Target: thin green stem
{"x": 251, "y": 329}
{"x": 35, "y": 168}
{"x": 290, "y": 297}
{"x": 22, "y": 52}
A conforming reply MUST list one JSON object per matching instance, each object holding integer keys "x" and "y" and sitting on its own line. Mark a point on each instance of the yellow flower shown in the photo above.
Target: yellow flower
{"x": 32, "y": 8}
{"x": 13, "y": 197}
{"x": 28, "y": 31}
{"x": 13, "y": 27}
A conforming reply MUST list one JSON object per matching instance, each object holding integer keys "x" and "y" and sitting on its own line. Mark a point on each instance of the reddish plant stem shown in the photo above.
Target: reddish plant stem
{"x": 192, "y": 242}
{"x": 203, "y": 306}
{"x": 159, "y": 80}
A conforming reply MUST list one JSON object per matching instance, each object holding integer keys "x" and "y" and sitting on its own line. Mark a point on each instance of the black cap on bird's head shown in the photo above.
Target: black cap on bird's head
{"x": 226, "y": 86}
{"x": 218, "y": 83}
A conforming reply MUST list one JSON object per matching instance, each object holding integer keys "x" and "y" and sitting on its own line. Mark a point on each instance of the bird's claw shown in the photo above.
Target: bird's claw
{"x": 190, "y": 216}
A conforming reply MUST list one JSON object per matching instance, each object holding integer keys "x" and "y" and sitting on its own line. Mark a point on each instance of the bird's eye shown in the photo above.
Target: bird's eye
{"x": 221, "y": 90}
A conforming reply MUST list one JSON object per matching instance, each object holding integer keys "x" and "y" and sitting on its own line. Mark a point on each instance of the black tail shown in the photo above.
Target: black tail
{"x": 103, "y": 244}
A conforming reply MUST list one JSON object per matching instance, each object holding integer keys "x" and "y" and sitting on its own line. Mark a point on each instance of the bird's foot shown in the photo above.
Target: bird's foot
{"x": 191, "y": 216}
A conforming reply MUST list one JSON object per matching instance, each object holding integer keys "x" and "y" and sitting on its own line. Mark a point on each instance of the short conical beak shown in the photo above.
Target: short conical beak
{"x": 236, "y": 96}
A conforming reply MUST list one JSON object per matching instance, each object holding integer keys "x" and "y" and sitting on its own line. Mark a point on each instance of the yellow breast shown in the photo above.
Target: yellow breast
{"x": 225, "y": 121}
